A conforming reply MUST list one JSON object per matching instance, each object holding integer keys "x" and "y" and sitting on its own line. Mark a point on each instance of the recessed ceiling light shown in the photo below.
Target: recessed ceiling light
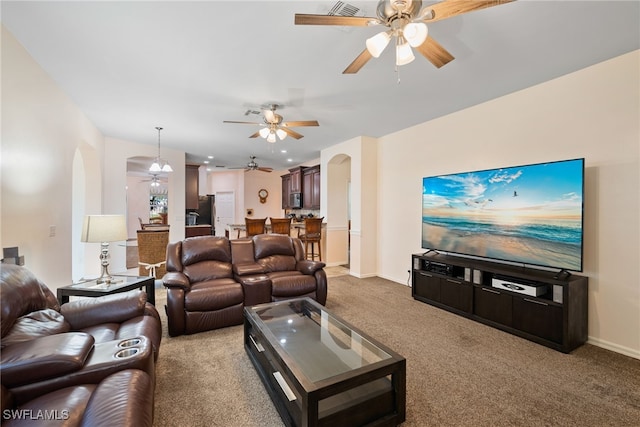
{"x": 283, "y": 151}
{"x": 206, "y": 162}
{"x": 289, "y": 160}
{"x": 210, "y": 157}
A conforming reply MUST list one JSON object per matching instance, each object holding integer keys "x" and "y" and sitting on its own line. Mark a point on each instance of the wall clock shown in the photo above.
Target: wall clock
{"x": 263, "y": 194}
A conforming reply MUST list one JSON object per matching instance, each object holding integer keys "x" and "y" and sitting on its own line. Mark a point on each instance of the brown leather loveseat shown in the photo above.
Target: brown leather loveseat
{"x": 211, "y": 279}
{"x": 78, "y": 362}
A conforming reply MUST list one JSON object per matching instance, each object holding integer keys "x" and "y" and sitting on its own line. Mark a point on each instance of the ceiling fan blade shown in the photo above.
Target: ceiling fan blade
{"x": 352, "y": 21}
{"x": 434, "y": 52}
{"x": 300, "y": 123}
{"x": 450, "y": 8}
{"x": 265, "y": 169}
{"x": 255, "y": 135}
{"x": 292, "y": 133}
{"x": 358, "y": 63}
{"x": 242, "y": 123}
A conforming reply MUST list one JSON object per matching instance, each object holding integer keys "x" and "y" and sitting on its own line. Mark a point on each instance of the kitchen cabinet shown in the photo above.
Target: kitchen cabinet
{"x": 286, "y": 190}
{"x": 311, "y": 187}
{"x": 296, "y": 180}
{"x": 303, "y": 180}
{"x": 191, "y": 186}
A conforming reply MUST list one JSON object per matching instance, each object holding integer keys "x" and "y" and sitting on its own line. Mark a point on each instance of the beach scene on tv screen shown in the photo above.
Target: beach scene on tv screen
{"x": 527, "y": 214}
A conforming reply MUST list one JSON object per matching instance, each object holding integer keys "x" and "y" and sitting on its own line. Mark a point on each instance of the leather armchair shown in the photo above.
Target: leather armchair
{"x": 94, "y": 357}
{"x": 201, "y": 292}
{"x": 30, "y": 310}
{"x": 124, "y": 398}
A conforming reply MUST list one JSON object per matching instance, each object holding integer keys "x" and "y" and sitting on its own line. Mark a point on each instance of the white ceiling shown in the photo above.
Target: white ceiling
{"x": 187, "y": 66}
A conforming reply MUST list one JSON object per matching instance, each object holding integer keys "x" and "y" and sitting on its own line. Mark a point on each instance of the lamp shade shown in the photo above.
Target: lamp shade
{"x": 404, "y": 55}
{"x": 415, "y": 33}
{"x": 377, "y": 43}
{"x": 264, "y": 132}
{"x": 281, "y": 134}
{"x": 155, "y": 166}
{"x": 104, "y": 228}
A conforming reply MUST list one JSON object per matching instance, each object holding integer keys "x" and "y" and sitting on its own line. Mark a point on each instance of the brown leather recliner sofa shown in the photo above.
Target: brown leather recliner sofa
{"x": 211, "y": 279}
{"x": 85, "y": 362}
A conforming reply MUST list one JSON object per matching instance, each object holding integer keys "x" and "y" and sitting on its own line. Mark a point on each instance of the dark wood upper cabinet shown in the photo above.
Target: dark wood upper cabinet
{"x": 191, "y": 186}
{"x": 311, "y": 187}
{"x": 296, "y": 180}
{"x": 305, "y": 180}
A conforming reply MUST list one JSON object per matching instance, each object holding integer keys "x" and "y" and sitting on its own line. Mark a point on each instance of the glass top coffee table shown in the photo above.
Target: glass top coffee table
{"x": 91, "y": 288}
{"x": 321, "y": 371}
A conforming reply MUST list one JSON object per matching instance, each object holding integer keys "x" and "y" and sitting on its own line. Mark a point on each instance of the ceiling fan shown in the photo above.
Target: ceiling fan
{"x": 253, "y": 166}
{"x": 155, "y": 180}
{"x": 274, "y": 126}
{"x": 405, "y": 20}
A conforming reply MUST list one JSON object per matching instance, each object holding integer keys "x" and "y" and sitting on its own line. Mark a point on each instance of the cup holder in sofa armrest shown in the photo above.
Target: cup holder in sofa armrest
{"x": 106, "y": 358}
{"x": 45, "y": 357}
{"x": 130, "y": 342}
{"x": 126, "y": 353}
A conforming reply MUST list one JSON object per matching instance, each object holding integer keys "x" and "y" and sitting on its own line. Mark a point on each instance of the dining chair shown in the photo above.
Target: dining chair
{"x": 255, "y": 226}
{"x": 280, "y": 225}
{"x": 312, "y": 235}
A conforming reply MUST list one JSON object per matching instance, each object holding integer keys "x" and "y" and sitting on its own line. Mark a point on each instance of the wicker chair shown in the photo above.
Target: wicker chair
{"x": 152, "y": 252}
{"x": 255, "y": 226}
{"x": 280, "y": 225}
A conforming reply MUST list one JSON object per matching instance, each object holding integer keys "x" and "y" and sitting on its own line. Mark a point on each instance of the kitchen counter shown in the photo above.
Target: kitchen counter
{"x": 233, "y": 231}
{"x": 197, "y": 230}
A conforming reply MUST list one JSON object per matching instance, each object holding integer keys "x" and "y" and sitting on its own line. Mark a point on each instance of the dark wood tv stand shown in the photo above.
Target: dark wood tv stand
{"x": 556, "y": 317}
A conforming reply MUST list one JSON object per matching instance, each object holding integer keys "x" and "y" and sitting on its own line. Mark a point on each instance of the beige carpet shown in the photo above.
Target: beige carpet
{"x": 459, "y": 372}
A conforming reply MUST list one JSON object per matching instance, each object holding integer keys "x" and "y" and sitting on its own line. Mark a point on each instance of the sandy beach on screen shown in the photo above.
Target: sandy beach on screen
{"x": 525, "y": 250}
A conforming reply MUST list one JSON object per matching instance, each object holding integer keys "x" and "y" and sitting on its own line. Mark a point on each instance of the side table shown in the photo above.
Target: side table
{"x": 92, "y": 289}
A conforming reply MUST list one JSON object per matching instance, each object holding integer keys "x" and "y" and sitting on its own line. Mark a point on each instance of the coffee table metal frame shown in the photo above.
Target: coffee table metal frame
{"x": 373, "y": 393}
{"x": 92, "y": 289}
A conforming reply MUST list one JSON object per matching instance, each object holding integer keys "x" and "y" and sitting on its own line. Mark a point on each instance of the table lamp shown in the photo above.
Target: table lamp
{"x": 104, "y": 229}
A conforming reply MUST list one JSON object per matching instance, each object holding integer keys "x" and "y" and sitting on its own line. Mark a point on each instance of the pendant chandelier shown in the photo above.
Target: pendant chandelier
{"x": 160, "y": 165}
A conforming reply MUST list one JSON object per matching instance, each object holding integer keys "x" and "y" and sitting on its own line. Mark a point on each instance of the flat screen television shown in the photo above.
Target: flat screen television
{"x": 531, "y": 214}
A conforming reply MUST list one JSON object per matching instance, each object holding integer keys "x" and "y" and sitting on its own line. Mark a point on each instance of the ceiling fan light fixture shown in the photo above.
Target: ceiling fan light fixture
{"x": 264, "y": 132}
{"x": 415, "y": 33}
{"x": 377, "y": 43}
{"x": 404, "y": 54}
{"x": 271, "y": 137}
{"x": 281, "y": 134}
{"x": 167, "y": 168}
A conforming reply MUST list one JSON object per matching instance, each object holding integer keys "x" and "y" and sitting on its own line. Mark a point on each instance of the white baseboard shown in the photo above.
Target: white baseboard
{"x": 614, "y": 347}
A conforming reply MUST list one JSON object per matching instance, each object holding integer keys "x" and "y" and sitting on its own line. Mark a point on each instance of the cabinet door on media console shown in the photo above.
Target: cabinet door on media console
{"x": 426, "y": 285}
{"x": 540, "y": 318}
{"x": 493, "y": 305}
{"x": 456, "y": 294}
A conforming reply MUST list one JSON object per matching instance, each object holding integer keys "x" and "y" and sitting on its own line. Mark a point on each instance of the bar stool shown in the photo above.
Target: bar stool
{"x": 281, "y": 225}
{"x": 255, "y": 226}
{"x": 312, "y": 234}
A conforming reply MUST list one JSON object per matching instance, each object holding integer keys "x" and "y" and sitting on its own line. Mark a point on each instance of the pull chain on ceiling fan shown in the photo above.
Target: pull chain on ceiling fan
{"x": 406, "y": 22}
{"x": 274, "y": 127}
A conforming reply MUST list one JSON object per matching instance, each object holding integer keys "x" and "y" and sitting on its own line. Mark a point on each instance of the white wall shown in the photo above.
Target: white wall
{"x": 593, "y": 113}
{"x": 43, "y": 131}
